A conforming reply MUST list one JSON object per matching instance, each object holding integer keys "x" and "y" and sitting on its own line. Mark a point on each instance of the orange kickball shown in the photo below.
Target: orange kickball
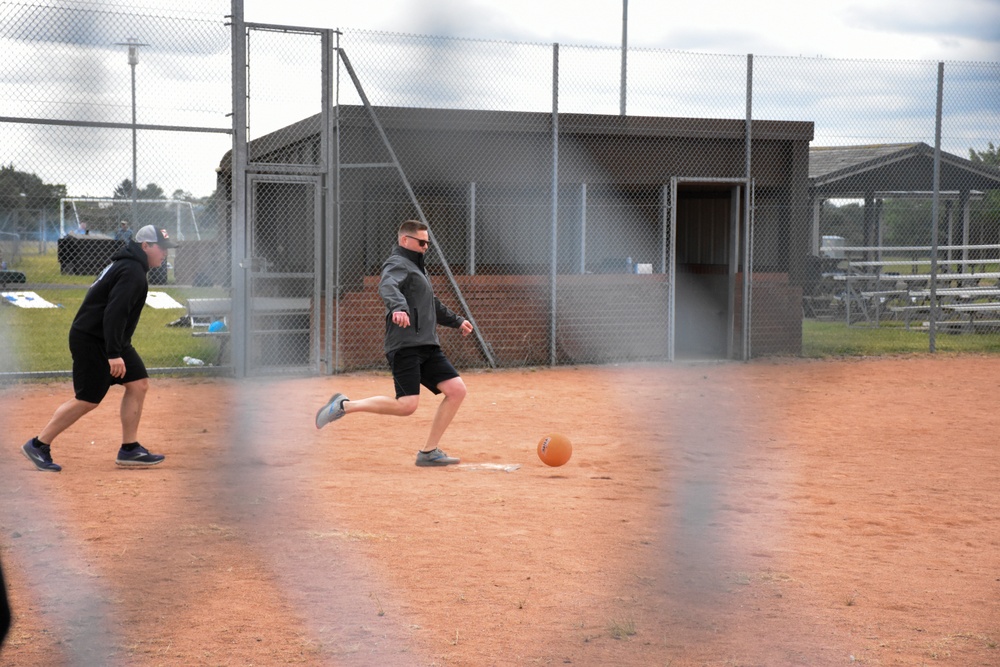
{"x": 554, "y": 449}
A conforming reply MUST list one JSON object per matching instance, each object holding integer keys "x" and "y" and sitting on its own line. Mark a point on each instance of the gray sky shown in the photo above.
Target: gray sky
{"x": 884, "y": 49}
{"x": 896, "y": 29}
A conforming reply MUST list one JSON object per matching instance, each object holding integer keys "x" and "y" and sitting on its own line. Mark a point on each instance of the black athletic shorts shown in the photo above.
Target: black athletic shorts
{"x": 423, "y": 365}
{"x": 91, "y": 373}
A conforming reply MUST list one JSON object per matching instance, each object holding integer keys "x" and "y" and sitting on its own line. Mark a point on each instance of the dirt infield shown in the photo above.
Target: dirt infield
{"x": 773, "y": 513}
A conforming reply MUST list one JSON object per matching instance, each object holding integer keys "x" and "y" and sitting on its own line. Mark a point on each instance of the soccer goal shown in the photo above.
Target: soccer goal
{"x": 100, "y": 216}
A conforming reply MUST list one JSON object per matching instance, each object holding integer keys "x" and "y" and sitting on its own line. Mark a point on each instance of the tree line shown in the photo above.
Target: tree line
{"x": 24, "y": 192}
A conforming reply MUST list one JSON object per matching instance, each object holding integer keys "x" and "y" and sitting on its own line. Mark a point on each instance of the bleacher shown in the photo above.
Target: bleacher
{"x": 962, "y": 294}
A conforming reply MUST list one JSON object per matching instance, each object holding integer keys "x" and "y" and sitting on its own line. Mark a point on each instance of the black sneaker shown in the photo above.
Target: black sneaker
{"x": 435, "y": 457}
{"x": 332, "y": 411}
{"x": 138, "y": 457}
{"x": 40, "y": 456}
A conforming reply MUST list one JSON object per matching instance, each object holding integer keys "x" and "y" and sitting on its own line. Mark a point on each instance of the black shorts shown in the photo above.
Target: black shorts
{"x": 414, "y": 366}
{"x": 91, "y": 372}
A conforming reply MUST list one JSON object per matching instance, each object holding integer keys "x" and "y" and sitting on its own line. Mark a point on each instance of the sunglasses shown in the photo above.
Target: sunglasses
{"x": 423, "y": 243}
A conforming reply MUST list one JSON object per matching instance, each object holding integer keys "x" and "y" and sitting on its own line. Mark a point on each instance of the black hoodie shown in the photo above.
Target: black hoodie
{"x": 111, "y": 309}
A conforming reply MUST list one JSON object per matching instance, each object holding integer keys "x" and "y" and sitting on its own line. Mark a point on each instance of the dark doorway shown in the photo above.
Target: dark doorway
{"x": 706, "y": 224}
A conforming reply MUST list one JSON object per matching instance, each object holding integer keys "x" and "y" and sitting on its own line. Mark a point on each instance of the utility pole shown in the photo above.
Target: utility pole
{"x": 133, "y": 59}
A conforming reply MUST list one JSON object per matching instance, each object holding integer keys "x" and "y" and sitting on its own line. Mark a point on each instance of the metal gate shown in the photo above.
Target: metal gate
{"x": 283, "y": 286}
{"x": 282, "y": 75}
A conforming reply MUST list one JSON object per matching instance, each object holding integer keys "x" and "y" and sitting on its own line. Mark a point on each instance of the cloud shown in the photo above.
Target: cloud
{"x": 916, "y": 29}
{"x": 722, "y": 40}
{"x": 458, "y": 18}
{"x": 66, "y": 65}
{"x": 944, "y": 21}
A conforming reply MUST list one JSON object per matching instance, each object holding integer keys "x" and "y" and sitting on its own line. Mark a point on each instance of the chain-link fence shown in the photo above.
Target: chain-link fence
{"x": 723, "y": 207}
{"x": 547, "y": 201}
{"x": 112, "y": 118}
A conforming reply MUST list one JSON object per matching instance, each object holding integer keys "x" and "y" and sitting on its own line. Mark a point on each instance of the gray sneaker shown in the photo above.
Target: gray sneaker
{"x": 435, "y": 457}
{"x": 332, "y": 411}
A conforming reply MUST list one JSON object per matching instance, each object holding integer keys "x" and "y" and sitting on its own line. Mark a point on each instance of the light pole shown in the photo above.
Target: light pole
{"x": 133, "y": 59}
{"x": 623, "y": 88}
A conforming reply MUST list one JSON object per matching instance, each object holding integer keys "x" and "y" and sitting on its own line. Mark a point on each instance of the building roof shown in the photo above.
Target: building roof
{"x": 519, "y": 122}
{"x": 854, "y": 171}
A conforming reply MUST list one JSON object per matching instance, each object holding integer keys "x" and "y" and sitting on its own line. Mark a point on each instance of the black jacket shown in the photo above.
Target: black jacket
{"x": 111, "y": 309}
{"x": 405, "y": 286}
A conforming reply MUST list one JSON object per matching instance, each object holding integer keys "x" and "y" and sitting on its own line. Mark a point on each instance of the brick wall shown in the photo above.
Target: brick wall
{"x": 601, "y": 319}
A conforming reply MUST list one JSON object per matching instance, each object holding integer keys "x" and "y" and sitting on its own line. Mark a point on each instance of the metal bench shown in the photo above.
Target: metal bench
{"x": 267, "y": 316}
{"x": 202, "y": 312}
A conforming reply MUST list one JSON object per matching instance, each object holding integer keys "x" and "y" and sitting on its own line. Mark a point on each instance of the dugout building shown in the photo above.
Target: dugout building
{"x": 586, "y": 238}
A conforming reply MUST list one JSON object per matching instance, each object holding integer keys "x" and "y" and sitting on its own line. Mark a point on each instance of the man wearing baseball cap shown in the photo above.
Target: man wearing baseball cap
{"x": 100, "y": 340}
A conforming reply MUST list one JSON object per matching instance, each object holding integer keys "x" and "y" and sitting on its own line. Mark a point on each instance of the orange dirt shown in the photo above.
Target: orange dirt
{"x": 772, "y": 513}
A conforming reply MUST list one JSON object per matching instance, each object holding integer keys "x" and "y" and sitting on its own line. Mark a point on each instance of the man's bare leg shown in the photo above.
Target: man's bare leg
{"x": 65, "y": 416}
{"x": 131, "y": 410}
{"x": 131, "y": 413}
{"x": 404, "y": 406}
{"x": 454, "y": 391}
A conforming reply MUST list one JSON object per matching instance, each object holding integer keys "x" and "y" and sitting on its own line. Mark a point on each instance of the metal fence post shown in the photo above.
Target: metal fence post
{"x": 324, "y": 241}
{"x": 240, "y": 263}
{"x": 555, "y": 203}
{"x": 747, "y": 225}
{"x": 332, "y": 318}
{"x": 935, "y": 197}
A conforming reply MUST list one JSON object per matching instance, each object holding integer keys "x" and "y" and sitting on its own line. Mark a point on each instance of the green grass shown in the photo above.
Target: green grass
{"x": 36, "y": 340}
{"x": 828, "y": 339}
{"x": 44, "y": 269}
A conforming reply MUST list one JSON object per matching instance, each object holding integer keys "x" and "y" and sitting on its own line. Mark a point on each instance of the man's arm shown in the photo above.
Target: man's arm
{"x": 446, "y": 317}
{"x": 122, "y": 299}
